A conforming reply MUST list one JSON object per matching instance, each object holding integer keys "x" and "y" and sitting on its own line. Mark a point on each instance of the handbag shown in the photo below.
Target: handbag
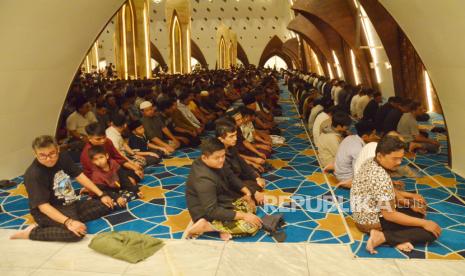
{"x": 272, "y": 224}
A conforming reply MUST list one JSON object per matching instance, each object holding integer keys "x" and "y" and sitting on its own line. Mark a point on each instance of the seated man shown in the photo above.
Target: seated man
{"x": 201, "y": 114}
{"x": 369, "y": 114}
{"x": 212, "y": 196}
{"x": 376, "y": 204}
{"x": 115, "y": 132}
{"x": 261, "y": 140}
{"x": 169, "y": 115}
{"x": 369, "y": 151}
{"x": 78, "y": 120}
{"x": 154, "y": 126}
{"x": 331, "y": 138}
{"x": 54, "y": 205}
{"x": 260, "y": 122}
{"x": 226, "y": 132}
{"x": 349, "y": 150}
{"x": 322, "y": 121}
{"x": 247, "y": 150}
{"x": 184, "y": 99}
{"x": 316, "y": 109}
{"x": 408, "y": 128}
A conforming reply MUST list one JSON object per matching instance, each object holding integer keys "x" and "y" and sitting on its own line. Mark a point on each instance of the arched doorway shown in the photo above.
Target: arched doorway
{"x": 222, "y": 53}
{"x": 276, "y": 62}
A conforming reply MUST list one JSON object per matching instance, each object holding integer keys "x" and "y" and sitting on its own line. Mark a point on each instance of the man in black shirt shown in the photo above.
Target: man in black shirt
{"x": 226, "y": 132}
{"x": 393, "y": 117}
{"x": 213, "y": 196}
{"x": 372, "y": 107}
{"x": 54, "y": 205}
{"x": 383, "y": 111}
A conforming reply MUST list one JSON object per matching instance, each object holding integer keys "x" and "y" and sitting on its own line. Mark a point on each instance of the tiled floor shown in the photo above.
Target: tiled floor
{"x": 200, "y": 257}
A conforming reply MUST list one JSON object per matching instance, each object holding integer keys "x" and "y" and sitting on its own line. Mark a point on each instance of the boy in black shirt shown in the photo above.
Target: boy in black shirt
{"x": 138, "y": 142}
{"x": 54, "y": 205}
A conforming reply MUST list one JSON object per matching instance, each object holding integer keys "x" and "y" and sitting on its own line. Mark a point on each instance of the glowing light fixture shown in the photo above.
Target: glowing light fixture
{"x": 125, "y": 53}
{"x": 96, "y": 55}
{"x": 188, "y": 40}
{"x": 429, "y": 92}
{"x": 340, "y": 74}
{"x": 354, "y": 67}
{"x": 87, "y": 64}
{"x": 146, "y": 38}
{"x": 317, "y": 61}
{"x": 368, "y": 31}
{"x": 330, "y": 70}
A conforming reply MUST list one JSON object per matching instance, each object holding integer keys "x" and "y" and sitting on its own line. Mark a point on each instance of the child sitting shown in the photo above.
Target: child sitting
{"x": 119, "y": 183}
{"x": 114, "y": 133}
{"x": 139, "y": 143}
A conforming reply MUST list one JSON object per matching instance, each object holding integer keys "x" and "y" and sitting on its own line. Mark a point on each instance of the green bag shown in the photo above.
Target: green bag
{"x": 128, "y": 246}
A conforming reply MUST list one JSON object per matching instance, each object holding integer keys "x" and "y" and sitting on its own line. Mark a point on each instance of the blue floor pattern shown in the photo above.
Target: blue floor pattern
{"x": 314, "y": 209}
{"x": 295, "y": 187}
{"x": 443, "y": 190}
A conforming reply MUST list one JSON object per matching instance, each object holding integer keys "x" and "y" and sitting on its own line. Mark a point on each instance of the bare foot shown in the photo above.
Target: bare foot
{"x": 225, "y": 236}
{"x": 198, "y": 228}
{"x": 405, "y": 247}
{"x": 329, "y": 168}
{"x": 140, "y": 195}
{"x": 23, "y": 234}
{"x": 347, "y": 184}
{"x": 376, "y": 239}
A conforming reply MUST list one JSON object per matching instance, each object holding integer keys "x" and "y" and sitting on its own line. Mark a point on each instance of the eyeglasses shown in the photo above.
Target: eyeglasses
{"x": 43, "y": 157}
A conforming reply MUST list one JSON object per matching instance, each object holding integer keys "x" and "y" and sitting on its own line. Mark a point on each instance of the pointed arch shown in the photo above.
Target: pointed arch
{"x": 197, "y": 54}
{"x": 275, "y": 48}
{"x": 176, "y": 44}
{"x": 156, "y": 55}
{"x": 241, "y": 55}
{"x": 222, "y": 51}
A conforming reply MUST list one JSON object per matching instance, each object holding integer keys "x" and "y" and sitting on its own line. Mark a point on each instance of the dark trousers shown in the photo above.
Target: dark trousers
{"x": 126, "y": 184}
{"x": 252, "y": 186}
{"x": 50, "y": 230}
{"x": 193, "y": 141}
{"x": 150, "y": 160}
{"x": 396, "y": 234}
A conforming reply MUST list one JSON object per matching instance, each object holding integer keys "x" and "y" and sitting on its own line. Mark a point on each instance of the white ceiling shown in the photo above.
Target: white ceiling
{"x": 254, "y": 21}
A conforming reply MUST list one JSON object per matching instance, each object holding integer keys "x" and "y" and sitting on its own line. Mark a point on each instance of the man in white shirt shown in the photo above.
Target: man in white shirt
{"x": 337, "y": 89}
{"x": 331, "y": 138}
{"x": 316, "y": 130}
{"x": 362, "y": 103}
{"x": 354, "y": 103}
{"x": 79, "y": 119}
{"x": 317, "y": 109}
{"x": 348, "y": 151}
{"x": 114, "y": 133}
